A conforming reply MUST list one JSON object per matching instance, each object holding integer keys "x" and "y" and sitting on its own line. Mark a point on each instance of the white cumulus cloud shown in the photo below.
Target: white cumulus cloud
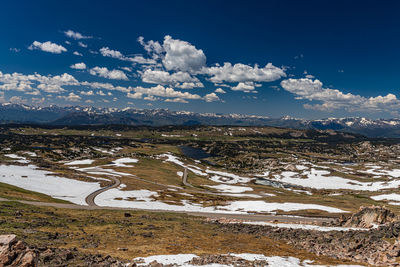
{"x": 47, "y": 47}
{"x": 333, "y": 99}
{"x": 162, "y": 91}
{"x": 31, "y": 82}
{"x": 109, "y": 74}
{"x": 71, "y": 97}
{"x": 153, "y": 48}
{"x": 76, "y": 35}
{"x": 211, "y": 97}
{"x": 244, "y": 86}
{"x": 88, "y": 93}
{"x": 164, "y": 77}
{"x": 220, "y": 90}
{"x": 107, "y": 52}
{"x": 182, "y": 56}
{"x": 244, "y": 73}
{"x": 78, "y": 66}
{"x": 82, "y": 45}
{"x": 136, "y": 95}
{"x": 176, "y": 100}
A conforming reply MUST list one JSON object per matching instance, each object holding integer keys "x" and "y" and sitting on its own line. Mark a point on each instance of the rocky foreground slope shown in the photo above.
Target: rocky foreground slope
{"x": 14, "y": 252}
{"x": 377, "y": 245}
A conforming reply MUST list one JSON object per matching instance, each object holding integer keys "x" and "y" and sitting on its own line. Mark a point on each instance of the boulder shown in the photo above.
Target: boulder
{"x": 368, "y": 217}
{"x": 16, "y": 253}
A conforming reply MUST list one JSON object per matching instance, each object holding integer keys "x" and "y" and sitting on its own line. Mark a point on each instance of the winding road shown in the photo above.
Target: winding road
{"x": 90, "y": 198}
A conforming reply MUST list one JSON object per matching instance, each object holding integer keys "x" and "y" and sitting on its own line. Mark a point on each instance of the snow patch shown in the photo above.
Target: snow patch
{"x": 231, "y": 188}
{"x": 173, "y": 159}
{"x": 98, "y": 170}
{"x": 228, "y": 178}
{"x": 319, "y": 179}
{"x": 13, "y": 156}
{"x": 80, "y": 162}
{"x": 29, "y": 153}
{"x": 17, "y": 158}
{"x": 121, "y": 162}
{"x": 392, "y": 197}
{"x": 178, "y": 259}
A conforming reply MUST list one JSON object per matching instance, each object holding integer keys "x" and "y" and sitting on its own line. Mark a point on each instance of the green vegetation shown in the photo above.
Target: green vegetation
{"x": 141, "y": 233}
{"x": 15, "y": 193}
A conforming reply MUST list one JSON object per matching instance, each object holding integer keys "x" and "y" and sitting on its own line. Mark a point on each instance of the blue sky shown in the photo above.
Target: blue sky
{"x": 309, "y": 59}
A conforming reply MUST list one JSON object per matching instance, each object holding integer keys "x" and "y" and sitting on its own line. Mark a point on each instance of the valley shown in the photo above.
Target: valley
{"x": 271, "y": 177}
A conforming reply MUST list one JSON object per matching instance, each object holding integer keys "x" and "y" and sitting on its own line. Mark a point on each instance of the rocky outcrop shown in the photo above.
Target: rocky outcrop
{"x": 368, "y": 217}
{"x": 50, "y": 257}
{"x": 376, "y": 246}
{"x": 15, "y": 253}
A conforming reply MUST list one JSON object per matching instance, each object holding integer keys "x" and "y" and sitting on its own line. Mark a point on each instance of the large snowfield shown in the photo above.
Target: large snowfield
{"x": 31, "y": 178}
{"x": 320, "y": 179}
{"x": 141, "y": 199}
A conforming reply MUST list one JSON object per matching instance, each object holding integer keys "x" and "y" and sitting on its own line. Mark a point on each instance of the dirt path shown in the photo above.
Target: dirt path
{"x": 244, "y": 217}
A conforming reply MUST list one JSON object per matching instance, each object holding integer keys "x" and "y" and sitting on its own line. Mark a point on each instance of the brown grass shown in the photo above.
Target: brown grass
{"x": 143, "y": 234}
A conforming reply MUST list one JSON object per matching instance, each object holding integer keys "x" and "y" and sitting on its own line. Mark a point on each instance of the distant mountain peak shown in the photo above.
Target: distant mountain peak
{"x": 78, "y": 115}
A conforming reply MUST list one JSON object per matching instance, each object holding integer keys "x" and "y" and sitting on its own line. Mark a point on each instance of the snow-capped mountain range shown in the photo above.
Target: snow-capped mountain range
{"x": 76, "y": 115}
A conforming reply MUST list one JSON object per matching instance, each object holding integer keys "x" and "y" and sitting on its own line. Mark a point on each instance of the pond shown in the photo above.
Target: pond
{"x": 194, "y": 153}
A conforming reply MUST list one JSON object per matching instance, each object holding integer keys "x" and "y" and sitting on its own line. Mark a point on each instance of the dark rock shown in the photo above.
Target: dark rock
{"x": 15, "y": 253}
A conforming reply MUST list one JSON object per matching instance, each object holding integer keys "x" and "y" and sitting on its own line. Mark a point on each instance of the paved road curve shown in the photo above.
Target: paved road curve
{"x": 90, "y": 198}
